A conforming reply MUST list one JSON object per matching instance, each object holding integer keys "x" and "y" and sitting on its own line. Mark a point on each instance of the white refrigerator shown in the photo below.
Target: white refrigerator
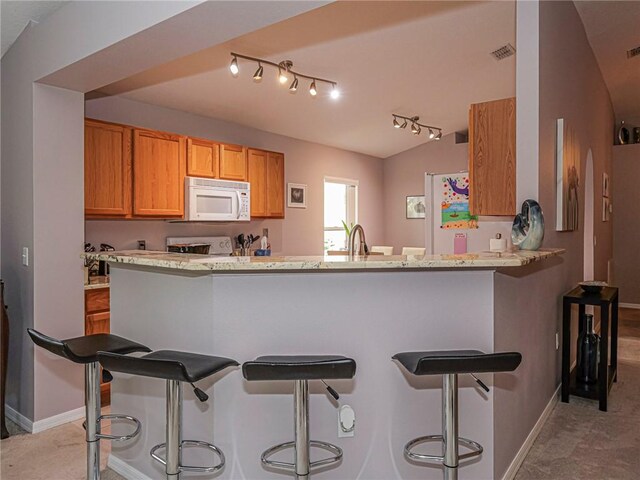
{"x": 446, "y": 200}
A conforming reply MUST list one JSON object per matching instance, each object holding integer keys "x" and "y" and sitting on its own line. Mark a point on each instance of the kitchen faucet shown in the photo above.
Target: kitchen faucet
{"x": 363, "y": 250}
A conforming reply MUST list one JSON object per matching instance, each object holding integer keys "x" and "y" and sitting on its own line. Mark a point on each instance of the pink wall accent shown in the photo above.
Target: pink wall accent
{"x": 626, "y": 230}
{"x": 300, "y": 233}
{"x": 528, "y": 312}
{"x": 404, "y": 175}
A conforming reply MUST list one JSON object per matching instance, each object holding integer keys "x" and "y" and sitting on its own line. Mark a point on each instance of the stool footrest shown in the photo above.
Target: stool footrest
{"x": 118, "y": 438}
{"x": 337, "y": 455}
{"x": 475, "y": 447}
{"x": 192, "y": 468}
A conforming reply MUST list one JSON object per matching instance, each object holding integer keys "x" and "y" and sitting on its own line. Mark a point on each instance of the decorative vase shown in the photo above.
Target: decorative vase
{"x": 623, "y": 134}
{"x": 527, "y": 232}
{"x": 588, "y": 352}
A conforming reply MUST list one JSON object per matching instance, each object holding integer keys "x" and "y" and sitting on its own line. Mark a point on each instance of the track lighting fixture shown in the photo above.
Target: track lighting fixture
{"x": 285, "y": 69}
{"x": 258, "y": 75}
{"x": 294, "y": 85}
{"x": 234, "y": 66}
{"x": 416, "y": 127}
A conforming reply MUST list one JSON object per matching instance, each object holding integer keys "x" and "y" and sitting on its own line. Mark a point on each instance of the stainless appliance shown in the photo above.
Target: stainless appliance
{"x": 219, "y": 246}
{"x": 208, "y": 200}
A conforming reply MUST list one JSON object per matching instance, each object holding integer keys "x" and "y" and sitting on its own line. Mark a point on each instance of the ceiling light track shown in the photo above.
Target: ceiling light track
{"x": 416, "y": 127}
{"x": 285, "y": 70}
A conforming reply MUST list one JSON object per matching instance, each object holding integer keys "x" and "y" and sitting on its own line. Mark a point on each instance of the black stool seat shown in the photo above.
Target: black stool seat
{"x": 299, "y": 367}
{"x": 458, "y": 361}
{"x": 167, "y": 364}
{"x": 85, "y": 349}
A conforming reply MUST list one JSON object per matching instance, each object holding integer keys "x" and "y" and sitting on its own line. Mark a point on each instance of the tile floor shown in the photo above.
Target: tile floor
{"x": 577, "y": 442}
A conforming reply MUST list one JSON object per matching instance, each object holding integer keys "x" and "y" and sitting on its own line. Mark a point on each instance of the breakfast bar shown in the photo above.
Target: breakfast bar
{"x": 366, "y": 308}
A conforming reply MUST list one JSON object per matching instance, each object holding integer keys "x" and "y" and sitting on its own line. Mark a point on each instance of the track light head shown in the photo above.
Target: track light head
{"x": 313, "y": 91}
{"x": 282, "y": 76}
{"x": 258, "y": 75}
{"x": 294, "y": 85}
{"x": 335, "y": 93}
{"x": 415, "y": 129}
{"x": 439, "y": 135}
{"x": 431, "y": 133}
{"x": 404, "y": 124}
{"x": 396, "y": 124}
{"x": 234, "y": 67}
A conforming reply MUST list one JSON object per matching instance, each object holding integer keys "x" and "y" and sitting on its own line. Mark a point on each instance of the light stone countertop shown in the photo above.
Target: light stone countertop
{"x": 334, "y": 263}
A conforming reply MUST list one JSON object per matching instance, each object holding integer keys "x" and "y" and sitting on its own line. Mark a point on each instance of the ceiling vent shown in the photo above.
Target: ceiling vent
{"x": 504, "y": 52}
{"x": 634, "y": 52}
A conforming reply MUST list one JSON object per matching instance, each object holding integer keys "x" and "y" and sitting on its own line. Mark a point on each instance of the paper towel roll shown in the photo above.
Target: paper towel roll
{"x": 498, "y": 245}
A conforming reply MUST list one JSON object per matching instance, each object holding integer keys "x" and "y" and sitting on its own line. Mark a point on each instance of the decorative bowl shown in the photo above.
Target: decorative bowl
{"x": 594, "y": 286}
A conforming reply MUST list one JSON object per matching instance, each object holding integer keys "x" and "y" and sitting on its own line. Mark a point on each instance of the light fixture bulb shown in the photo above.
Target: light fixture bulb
{"x": 396, "y": 124}
{"x": 431, "y": 133}
{"x": 335, "y": 93}
{"x": 282, "y": 77}
{"x": 415, "y": 129}
{"x": 234, "y": 67}
{"x": 439, "y": 135}
{"x": 258, "y": 75}
{"x": 312, "y": 89}
{"x": 294, "y": 85}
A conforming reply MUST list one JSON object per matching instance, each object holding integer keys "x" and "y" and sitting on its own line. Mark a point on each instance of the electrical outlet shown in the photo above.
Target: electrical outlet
{"x": 142, "y": 244}
{"x": 557, "y": 340}
{"x": 346, "y": 421}
{"x": 25, "y": 256}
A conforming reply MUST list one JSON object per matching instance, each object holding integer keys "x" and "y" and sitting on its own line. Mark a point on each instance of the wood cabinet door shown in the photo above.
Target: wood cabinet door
{"x": 257, "y": 170}
{"x": 275, "y": 185}
{"x": 492, "y": 158}
{"x": 233, "y": 162}
{"x": 97, "y": 323}
{"x": 107, "y": 169}
{"x": 97, "y": 300}
{"x": 203, "y": 158}
{"x": 159, "y": 168}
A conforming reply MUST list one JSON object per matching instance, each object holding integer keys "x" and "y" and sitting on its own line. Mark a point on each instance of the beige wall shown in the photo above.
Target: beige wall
{"x": 626, "y": 229}
{"x": 404, "y": 175}
{"x": 300, "y": 233}
{"x": 528, "y": 312}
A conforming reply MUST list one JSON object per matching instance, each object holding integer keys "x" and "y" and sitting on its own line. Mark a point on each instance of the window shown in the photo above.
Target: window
{"x": 340, "y": 205}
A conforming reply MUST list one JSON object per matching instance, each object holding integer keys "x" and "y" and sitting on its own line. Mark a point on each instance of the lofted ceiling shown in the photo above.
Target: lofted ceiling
{"x": 425, "y": 58}
{"x": 15, "y": 15}
{"x": 613, "y": 27}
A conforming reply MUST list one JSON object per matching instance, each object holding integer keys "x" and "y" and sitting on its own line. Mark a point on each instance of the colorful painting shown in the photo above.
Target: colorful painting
{"x": 455, "y": 203}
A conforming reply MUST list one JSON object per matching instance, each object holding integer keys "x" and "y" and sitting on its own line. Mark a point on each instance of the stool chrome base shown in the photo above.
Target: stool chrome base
{"x": 174, "y": 444}
{"x": 450, "y": 458}
{"x": 302, "y": 465}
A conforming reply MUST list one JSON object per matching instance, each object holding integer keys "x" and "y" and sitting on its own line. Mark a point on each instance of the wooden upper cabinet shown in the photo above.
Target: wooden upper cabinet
{"x": 159, "y": 168}
{"x": 275, "y": 184}
{"x": 107, "y": 169}
{"x": 257, "y": 170}
{"x": 266, "y": 176}
{"x": 233, "y": 162}
{"x": 492, "y": 158}
{"x": 203, "y": 158}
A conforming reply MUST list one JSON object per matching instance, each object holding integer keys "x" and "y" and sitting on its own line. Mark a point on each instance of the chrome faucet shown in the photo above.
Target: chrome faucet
{"x": 352, "y": 241}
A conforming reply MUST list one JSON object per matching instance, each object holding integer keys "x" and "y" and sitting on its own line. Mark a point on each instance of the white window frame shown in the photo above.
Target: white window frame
{"x": 352, "y": 201}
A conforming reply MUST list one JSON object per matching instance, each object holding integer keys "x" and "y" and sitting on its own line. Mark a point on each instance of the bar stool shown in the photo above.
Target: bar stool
{"x": 175, "y": 368}
{"x": 84, "y": 350}
{"x": 450, "y": 364}
{"x": 301, "y": 369}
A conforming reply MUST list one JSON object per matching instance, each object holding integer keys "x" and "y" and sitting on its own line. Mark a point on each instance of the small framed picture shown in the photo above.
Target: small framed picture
{"x": 296, "y": 195}
{"x": 605, "y": 185}
{"x": 416, "y": 207}
{"x": 606, "y": 209}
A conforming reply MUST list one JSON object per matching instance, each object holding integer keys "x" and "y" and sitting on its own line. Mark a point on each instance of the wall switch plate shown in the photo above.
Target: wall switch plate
{"x": 557, "y": 340}
{"x": 346, "y": 422}
{"x": 25, "y": 256}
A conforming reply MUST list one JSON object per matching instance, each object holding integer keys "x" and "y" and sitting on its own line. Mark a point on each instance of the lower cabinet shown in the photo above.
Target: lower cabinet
{"x": 97, "y": 320}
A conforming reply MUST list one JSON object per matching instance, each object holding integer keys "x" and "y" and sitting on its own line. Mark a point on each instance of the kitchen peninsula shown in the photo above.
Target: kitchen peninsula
{"x": 367, "y": 308}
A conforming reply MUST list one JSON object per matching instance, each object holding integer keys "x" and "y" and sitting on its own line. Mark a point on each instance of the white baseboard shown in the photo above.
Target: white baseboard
{"x": 46, "y": 423}
{"x": 124, "y": 469}
{"x": 528, "y": 443}
{"x": 16, "y": 417}
{"x": 60, "y": 419}
{"x": 635, "y": 306}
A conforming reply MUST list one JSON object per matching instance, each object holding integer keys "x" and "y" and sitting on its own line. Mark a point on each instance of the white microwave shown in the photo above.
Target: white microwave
{"x": 209, "y": 200}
